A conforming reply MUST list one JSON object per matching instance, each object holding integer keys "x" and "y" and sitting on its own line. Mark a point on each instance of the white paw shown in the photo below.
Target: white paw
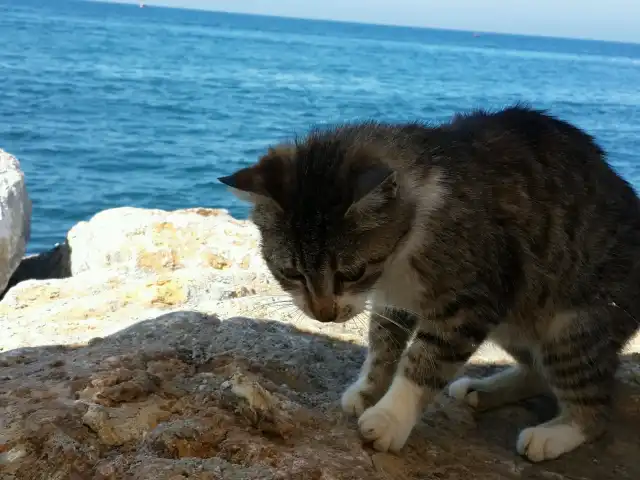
{"x": 460, "y": 391}
{"x": 549, "y": 442}
{"x": 352, "y": 401}
{"x": 387, "y": 429}
{"x": 389, "y": 423}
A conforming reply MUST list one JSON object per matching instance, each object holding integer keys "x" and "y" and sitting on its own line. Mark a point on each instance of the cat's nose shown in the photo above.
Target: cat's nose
{"x": 324, "y": 309}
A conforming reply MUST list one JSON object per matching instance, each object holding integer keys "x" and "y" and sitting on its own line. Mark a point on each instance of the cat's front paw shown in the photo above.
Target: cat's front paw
{"x": 354, "y": 399}
{"x": 388, "y": 428}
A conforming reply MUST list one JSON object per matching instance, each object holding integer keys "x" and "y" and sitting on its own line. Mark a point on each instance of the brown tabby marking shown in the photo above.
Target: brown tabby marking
{"x": 507, "y": 225}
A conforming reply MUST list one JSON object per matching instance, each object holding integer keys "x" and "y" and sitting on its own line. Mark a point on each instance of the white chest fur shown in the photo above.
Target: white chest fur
{"x": 399, "y": 286}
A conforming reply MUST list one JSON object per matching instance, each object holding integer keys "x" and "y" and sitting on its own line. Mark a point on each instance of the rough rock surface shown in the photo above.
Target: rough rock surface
{"x": 155, "y": 361}
{"x": 138, "y": 242}
{"x": 15, "y": 216}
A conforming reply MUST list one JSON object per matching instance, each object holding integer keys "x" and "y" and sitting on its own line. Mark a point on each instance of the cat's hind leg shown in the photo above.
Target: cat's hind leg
{"x": 510, "y": 385}
{"x": 579, "y": 356}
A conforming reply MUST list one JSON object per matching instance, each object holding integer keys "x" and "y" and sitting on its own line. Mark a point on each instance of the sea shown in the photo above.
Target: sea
{"x": 109, "y": 105}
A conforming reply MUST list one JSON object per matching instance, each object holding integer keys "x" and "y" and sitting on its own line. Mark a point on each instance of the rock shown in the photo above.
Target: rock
{"x": 137, "y": 241}
{"x": 188, "y": 394}
{"x": 184, "y": 392}
{"x": 54, "y": 263}
{"x": 15, "y": 216}
{"x": 153, "y": 362}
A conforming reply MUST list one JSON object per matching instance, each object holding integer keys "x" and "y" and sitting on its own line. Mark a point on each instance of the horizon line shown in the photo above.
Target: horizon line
{"x": 359, "y": 22}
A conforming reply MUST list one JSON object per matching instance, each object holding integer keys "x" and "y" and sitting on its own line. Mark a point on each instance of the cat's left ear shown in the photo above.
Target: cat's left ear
{"x": 265, "y": 181}
{"x": 374, "y": 188}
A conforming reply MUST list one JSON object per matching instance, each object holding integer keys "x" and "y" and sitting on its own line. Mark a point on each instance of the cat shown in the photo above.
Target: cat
{"x": 505, "y": 225}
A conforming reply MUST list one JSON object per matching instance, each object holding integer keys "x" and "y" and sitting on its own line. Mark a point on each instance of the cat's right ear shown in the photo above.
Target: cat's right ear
{"x": 373, "y": 188}
{"x": 265, "y": 181}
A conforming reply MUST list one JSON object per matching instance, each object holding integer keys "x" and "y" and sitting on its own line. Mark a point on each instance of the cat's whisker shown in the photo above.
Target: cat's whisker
{"x": 400, "y": 308}
{"x": 272, "y": 310}
{"x": 270, "y": 307}
{"x": 270, "y": 304}
{"x": 267, "y": 298}
{"x": 390, "y": 319}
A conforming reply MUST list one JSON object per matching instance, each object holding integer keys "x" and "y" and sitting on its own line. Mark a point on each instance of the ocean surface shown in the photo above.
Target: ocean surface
{"x": 109, "y": 105}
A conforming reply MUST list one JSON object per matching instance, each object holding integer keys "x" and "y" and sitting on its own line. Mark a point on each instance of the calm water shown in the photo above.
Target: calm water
{"x": 111, "y": 105}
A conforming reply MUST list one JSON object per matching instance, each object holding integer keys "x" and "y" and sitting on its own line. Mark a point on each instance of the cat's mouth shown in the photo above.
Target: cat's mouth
{"x": 346, "y": 314}
{"x": 342, "y": 314}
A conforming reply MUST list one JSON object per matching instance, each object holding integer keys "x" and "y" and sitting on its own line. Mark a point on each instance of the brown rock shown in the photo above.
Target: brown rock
{"x": 185, "y": 395}
{"x": 126, "y": 423}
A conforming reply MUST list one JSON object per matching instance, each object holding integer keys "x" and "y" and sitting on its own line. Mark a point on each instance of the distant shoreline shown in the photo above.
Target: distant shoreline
{"x": 480, "y": 33}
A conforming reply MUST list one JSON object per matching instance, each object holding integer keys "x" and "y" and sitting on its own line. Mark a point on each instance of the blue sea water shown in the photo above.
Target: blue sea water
{"x": 109, "y": 105}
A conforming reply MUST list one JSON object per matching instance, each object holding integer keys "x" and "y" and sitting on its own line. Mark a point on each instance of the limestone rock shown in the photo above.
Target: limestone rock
{"x": 15, "y": 216}
{"x": 138, "y": 241}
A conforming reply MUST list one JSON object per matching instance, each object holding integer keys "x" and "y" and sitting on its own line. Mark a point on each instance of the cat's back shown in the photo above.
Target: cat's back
{"x": 522, "y": 136}
{"x": 547, "y": 185}
{"x": 520, "y": 153}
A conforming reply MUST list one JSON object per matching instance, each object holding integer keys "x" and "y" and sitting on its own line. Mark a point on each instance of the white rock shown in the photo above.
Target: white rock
{"x": 131, "y": 264}
{"x": 136, "y": 241}
{"x": 15, "y": 216}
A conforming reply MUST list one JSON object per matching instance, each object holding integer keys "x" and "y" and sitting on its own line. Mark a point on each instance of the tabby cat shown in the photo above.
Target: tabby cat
{"x": 506, "y": 225}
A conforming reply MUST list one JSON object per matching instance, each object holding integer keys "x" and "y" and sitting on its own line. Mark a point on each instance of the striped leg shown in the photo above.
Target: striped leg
{"x": 579, "y": 361}
{"x": 388, "y": 334}
{"x": 437, "y": 352}
{"x": 510, "y": 385}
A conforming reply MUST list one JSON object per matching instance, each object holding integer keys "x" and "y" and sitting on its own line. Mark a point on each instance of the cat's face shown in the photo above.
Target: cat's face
{"x": 330, "y": 216}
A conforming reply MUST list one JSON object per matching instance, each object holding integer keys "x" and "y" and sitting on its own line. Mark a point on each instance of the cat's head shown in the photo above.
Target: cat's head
{"x": 331, "y": 211}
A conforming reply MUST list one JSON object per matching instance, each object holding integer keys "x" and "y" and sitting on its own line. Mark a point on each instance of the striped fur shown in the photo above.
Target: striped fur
{"x": 508, "y": 226}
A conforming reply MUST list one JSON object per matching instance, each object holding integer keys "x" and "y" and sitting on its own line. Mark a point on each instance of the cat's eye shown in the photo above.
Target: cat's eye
{"x": 292, "y": 274}
{"x": 351, "y": 275}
